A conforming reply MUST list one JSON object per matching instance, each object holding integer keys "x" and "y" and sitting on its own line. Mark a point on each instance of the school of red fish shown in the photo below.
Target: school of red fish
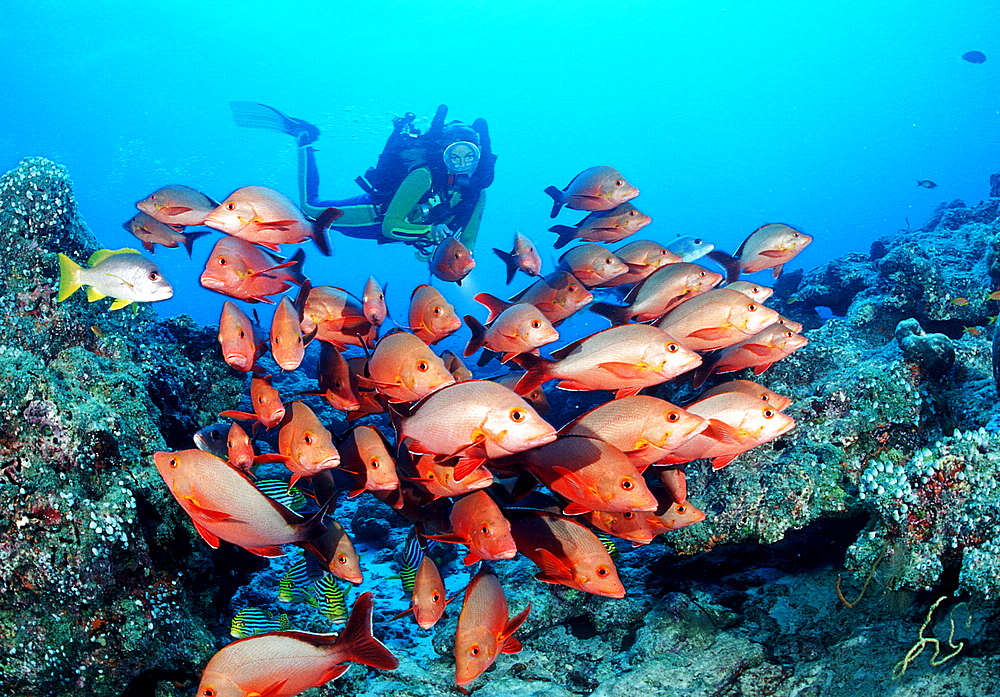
{"x": 463, "y": 453}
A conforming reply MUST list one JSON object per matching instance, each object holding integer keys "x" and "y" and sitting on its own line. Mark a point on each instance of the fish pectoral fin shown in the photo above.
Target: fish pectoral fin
{"x": 334, "y": 672}
{"x": 627, "y": 392}
{"x": 772, "y": 253}
{"x": 574, "y": 508}
{"x": 719, "y": 462}
{"x": 274, "y": 689}
{"x": 94, "y": 294}
{"x": 119, "y": 303}
{"x": 466, "y": 466}
{"x": 554, "y": 570}
{"x": 174, "y": 210}
{"x": 758, "y": 349}
{"x": 710, "y": 333}
{"x": 281, "y": 225}
{"x": 210, "y": 513}
{"x": 471, "y": 558}
{"x": 620, "y": 368}
{"x": 242, "y": 415}
{"x": 210, "y": 539}
{"x": 270, "y": 551}
{"x": 268, "y": 458}
{"x": 447, "y": 537}
{"x": 723, "y": 432}
{"x": 761, "y": 368}
{"x": 508, "y": 643}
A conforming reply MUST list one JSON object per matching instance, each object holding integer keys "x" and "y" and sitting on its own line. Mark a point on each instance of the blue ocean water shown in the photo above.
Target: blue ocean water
{"x": 726, "y": 115}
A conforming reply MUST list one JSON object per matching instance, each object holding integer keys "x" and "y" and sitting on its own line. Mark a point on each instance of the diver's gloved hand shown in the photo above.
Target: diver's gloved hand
{"x": 440, "y": 232}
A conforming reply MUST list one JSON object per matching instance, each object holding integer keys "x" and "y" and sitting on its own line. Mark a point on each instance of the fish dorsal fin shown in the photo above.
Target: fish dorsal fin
{"x": 561, "y": 353}
{"x": 102, "y": 254}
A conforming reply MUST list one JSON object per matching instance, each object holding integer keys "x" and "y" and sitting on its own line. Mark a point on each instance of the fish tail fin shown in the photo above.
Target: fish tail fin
{"x": 730, "y": 263}
{"x": 566, "y": 235}
{"x": 477, "y": 338}
{"x": 618, "y": 314}
{"x": 320, "y": 227}
{"x": 358, "y": 644}
{"x": 509, "y": 261}
{"x": 190, "y": 237}
{"x": 557, "y": 200}
{"x": 69, "y": 277}
{"x": 494, "y": 304}
{"x": 537, "y": 372}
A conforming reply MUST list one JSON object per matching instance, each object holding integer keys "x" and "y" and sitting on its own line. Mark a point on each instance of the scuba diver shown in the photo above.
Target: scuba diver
{"x": 425, "y": 188}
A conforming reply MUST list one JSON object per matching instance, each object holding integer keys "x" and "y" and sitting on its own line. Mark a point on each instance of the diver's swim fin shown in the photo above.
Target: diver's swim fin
{"x": 254, "y": 115}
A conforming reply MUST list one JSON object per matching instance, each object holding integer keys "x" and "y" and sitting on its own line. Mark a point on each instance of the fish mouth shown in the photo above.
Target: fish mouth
{"x": 238, "y": 361}
{"x": 328, "y": 463}
{"x": 211, "y": 283}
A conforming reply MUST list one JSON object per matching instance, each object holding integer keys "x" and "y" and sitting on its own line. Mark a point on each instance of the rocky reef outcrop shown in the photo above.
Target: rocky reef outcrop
{"x": 102, "y": 582}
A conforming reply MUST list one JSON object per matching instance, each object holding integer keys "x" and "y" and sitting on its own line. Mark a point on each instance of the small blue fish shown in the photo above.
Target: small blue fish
{"x": 251, "y": 620}
{"x": 926, "y": 183}
{"x": 332, "y": 599}
{"x": 690, "y": 248}
{"x": 974, "y": 57}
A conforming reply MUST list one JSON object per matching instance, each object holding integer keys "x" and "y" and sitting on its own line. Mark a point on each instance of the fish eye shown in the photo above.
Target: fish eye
{"x": 682, "y": 509}
{"x": 229, "y": 444}
{"x": 437, "y": 310}
{"x": 223, "y": 261}
{"x": 375, "y": 463}
{"x": 242, "y": 334}
{"x": 260, "y": 400}
{"x": 603, "y": 571}
{"x": 702, "y": 274}
{"x": 619, "y": 182}
{"x": 153, "y": 276}
{"x": 536, "y": 324}
{"x": 517, "y": 415}
{"x": 435, "y": 597}
{"x": 795, "y": 234}
{"x": 208, "y": 692}
{"x": 307, "y": 437}
{"x": 230, "y": 206}
{"x": 768, "y": 413}
{"x": 765, "y": 397}
{"x": 607, "y": 260}
{"x": 673, "y": 348}
{"x": 628, "y": 515}
{"x": 337, "y": 384}
{"x": 571, "y": 288}
{"x": 755, "y": 289}
{"x": 423, "y": 366}
{"x": 628, "y": 484}
{"x": 474, "y": 650}
{"x": 485, "y": 529}
{"x": 673, "y": 416}
{"x": 173, "y": 462}
{"x": 752, "y": 307}
{"x": 663, "y": 252}
{"x": 789, "y": 333}
{"x": 152, "y": 197}
{"x": 698, "y": 240}
{"x": 341, "y": 559}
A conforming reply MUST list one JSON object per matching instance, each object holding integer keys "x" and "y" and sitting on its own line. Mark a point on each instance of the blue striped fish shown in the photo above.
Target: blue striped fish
{"x": 278, "y": 490}
{"x": 332, "y": 599}
{"x": 292, "y": 586}
{"x": 413, "y": 554}
{"x": 252, "y": 620}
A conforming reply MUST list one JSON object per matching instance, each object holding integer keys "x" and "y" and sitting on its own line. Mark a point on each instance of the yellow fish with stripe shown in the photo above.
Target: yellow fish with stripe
{"x": 122, "y": 274}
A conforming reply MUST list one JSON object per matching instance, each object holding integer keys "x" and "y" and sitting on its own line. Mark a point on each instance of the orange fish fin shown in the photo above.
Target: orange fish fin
{"x": 276, "y": 224}
{"x": 212, "y": 514}
{"x": 757, "y": 349}
{"x": 554, "y": 570}
{"x": 268, "y": 458}
{"x": 510, "y": 645}
{"x": 574, "y": 508}
{"x": 354, "y": 493}
{"x": 404, "y": 613}
{"x": 270, "y": 551}
{"x": 466, "y": 466}
{"x": 209, "y": 538}
{"x": 275, "y": 689}
{"x": 332, "y": 674}
{"x": 722, "y": 432}
{"x": 719, "y": 462}
{"x": 471, "y": 558}
{"x": 578, "y": 488}
{"x": 710, "y": 333}
{"x": 242, "y": 415}
{"x": 761, "y": 368}
{"x": 175, "y": 210}
{"x": 776, "y": 271}
{"x": 673, "y": 460}
{"x": 359, "y": 646}
{"x": 627, "y": 392}
{"x": 494, "y": 304}
{"x": 514, "y": 624}
{"x": 772, "y": 253}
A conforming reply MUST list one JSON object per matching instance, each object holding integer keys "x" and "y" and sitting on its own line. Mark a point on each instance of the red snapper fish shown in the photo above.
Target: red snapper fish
{"x": 754, "y": 291}
{"x": 625, "y": 358}
{"x": 476, "y": 521}
{"x": 484, "y": 629}
{"x": 241, "y": 347}
{"x": 605, "y": 226}
{"x": 428, "y": 598}
{"x": 535, "y": 397}
{"x": 439, "y": 479}
{"x": 452, "y": 261}
{"x": 660, "y": 292}
{"x": 644, "y": 428}
{"x": 638, "y": 527}
{"x": 305, "y": 446}
{"x": 364, "y": 453}
{"x": 288, "y": 343}
{"x": 152, "y": 232}
{"x": 432, "y": 318}
{"x": 768, "y": 247}
{"x": 523, "y": 257}
{"x": 336, "y": 383}
{"x": 177, "y": 205}
{"x": 592, "y": 264}
{"x": 567, "y": 552}
{"x": 284, "y": 664}
{"x": 592, "y": 474}
{"x": 557, "y": 295}
{"x": 404, "y": 369}
{"x": 758, "y": 352}
{"x": 266, "y": 217}
{"x": 642, "y": 257}
{"x": 336, "y": 552}
{"x": 239, "y": 448}
{"x": 738, "y": 422}
{"x": 716, "y": 319}
{"x": 336, "y": 316}
{"x": 267, "y": 406}
{"x": 778, "y": 401}
{"x": 373, "y": 303}
{"x": 473, "y": 420}
{"x": 223, "y": 504}
{"x": 240, "y": 270}
{"x": 521, "y": 328}
{"x": 594, "y": 189}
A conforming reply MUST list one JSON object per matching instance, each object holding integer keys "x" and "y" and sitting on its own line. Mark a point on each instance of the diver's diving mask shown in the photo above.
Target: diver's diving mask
{"x": 461, "y": 157}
